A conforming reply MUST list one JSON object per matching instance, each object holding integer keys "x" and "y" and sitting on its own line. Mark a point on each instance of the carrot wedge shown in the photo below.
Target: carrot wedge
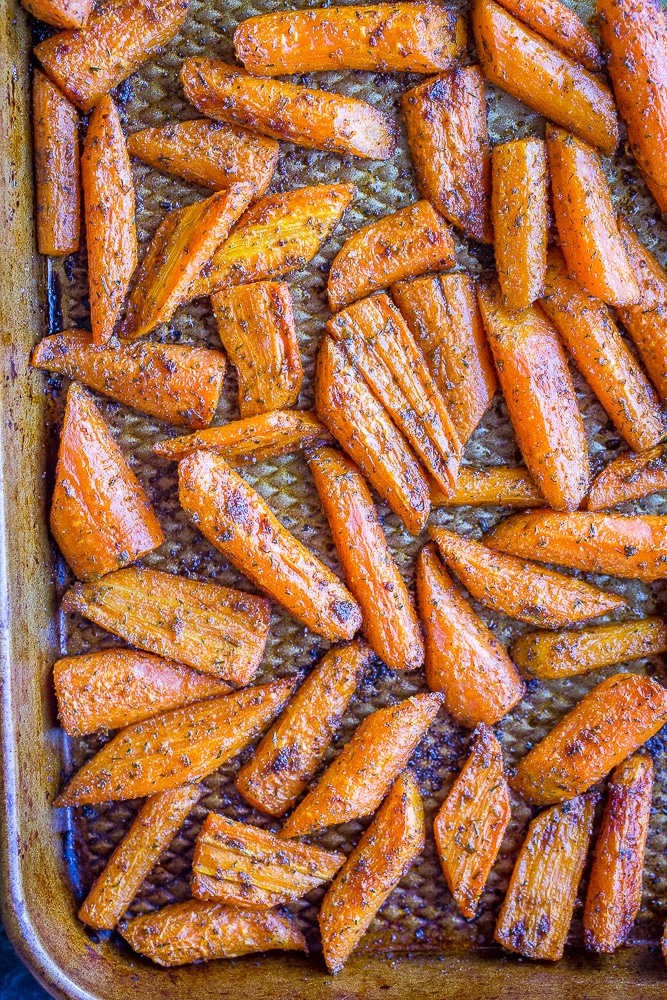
{"x": 238, "y": 522}
{"x": 245, "y": 866}
{"x": 356, "y": 782}
{"x": 522, "y": 589}
{"x": 60, "y": 13}
{"x": 88, "y": 63}
{"x": 536, "y": 914}
{"x": 288, "y": 755}
{"x": 531, "y": 69}
{"x": 401, "y": 245}
{"x": 315, "y": 119}
{"x": 156, "y": 824}
{"x": 630, "y": 477}
{"x": 199, "y": 931}
{"x": 496, "y": 485}
{"x": 176, "y": 748}
{"x": 646, "y": 322}
{"x": 389, "y": 619}
{"x": 561, "y": 26}
{"x": 57, "y": 168}
{"x": 471, "y": 822}
{"x": 212, "y": 628}
{"x": 615, "y": 887}
{"x": 382, "y": 857}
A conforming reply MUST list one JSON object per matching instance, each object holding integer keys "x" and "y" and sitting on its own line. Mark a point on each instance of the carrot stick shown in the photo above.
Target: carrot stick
{"x": 449, "y": 144}
{"x": 60, "y": 13}
{"x": 630, "y": 477}
{"x": 57, "y": 168}
{"x": 155, "y": 826}
{"x": 540, "y": 398}
{"x": 497, "y": 485}
{"x": 239, "y": 524}
{"x": 389, "y": 618}
{"x": 521, "y": 589}
{"x": 289, "y": 754}
{"x": 561, "y": 26}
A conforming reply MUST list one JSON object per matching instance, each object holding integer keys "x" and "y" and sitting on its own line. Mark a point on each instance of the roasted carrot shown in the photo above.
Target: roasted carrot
{"x": 548, "y": 81}
{"x": 288, "y": 755}
{"x": 536, "y": 914}
{"x": 463, "y": 659}
{"x": 646, "y": 322}
{"x": 199, "y": 931}
{"x": 176, "y": 748}
{"x": 540, "y": 398}
{"x": 520, "y": 216}
{"x": 442, "y": 315}
{"x": 390, "y": 38}
{"x": 212, "y": 628}
{"x": 315, "y": 119}
{"x": 589, "y": 236}
{"x": 629, "y": 477}
{"x": 239, "y": 523}
{"x": 384, "y": 854}
{"x": 55, "y": 125}
{"x": 406, "y": 243}
{"x": 559, "y": 25}
{"x": 356, "y": 782}
{"x": 495, "y": 485}
{"x": 157, "y": 822}
{"x": 208, "y": 153}
{"x": 389, "y": 620}
{"x": 108, "y": 198}
{"x": 519, "y": 588}
{"x": 449, "y": 144}
{"x": 88, "y": 63}
{"x": 365, "y": 431}
{"x": 242, "y": 865}
{"x": 257, "y": 330}
{"x": 550, "y": 655}
{"x": 60, "y": 13}
{"x": 471, "y": 822}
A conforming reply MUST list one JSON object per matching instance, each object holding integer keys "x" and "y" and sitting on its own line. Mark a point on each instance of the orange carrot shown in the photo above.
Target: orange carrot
{"x": 630, "y": 477}
{"x": 559, "y": 25}
{"x": 646, "y": 322}
{"x": 57, "y": 169}
{"x": 497, "y": 485}
{"x": 60, "y": 13}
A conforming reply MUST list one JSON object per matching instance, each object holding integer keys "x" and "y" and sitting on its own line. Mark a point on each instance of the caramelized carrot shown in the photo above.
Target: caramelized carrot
{"x": 212, "y": 628}
{"x": 519, "y": 588}
{"x": 389, "y": 618}
{"x": 497, "y": 485}
{"x": 442, "y": 315}
{"x": 315, "y": 119}
{"x": 356, "y": 782}
{"x": 177, "y": 748}
{"x": 108, "y": 198}
{"x": 559, "y": 25}
{"x": 540, "y": 398}
{"x": 289, "y": 754}
{"x": 156, "y": 824}
{"x": 57, "y": 169}
{"x": 472, "y": 820}
{"x": 87, "y": 64}
{"x": 630, "y": 477}
{"x": 537, "y": 912}
{"x": 257, "y": 330}
{"x": 60, "y": 13}
{"x": 548, "y": 81}
{"x": 646, "y": 322}
{"x": 408, "y": 242}
{"x": 449, "y": 145}
{"x": 239, "y": 523}
{"x": 384, "y": 854}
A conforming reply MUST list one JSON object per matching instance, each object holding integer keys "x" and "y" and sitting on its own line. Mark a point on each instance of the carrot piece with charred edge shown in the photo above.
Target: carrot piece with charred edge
{"x": 288, "y": 755}
{"x": 88, "y": 63}
{"x": 356, "y": 782}
{"x": 472, "y": 820}
{"x": 443, "y": 316}
{"x": 245, "y": 866}
{"x": 561, "y": 26}
{"x": 200, "y": 931}
{"x": 208, "y": 153}
{"x": 109, "y": 204}
{"x": 449, "y": 144}
{"x": 215, "y": 629}
{"x": 390, "y": 38}
{"x": 257, "y": 329}
{"x": 152, "y": 831}
{"x": 238, "y": 522}
{"x": 60, "y": 13}
{"x": 406, "y": 243}
{"x": 531, "y": 69}
{"x": 463, "y": 658}
{"x": 389, "y": 618}
{"x": 536, "y": 914}
{"x": 630, "y": 477}
{"x": 520, "y": 214}
{"x": 382, "y": 857}
{"x": 496, "y": 485}
{"x": 57, "y": 168}
{"x": 538, "y": 390}
{"x": 522, "y": 589}
{"x": 315, "y": 119}
{"x": 176, "y": 748}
